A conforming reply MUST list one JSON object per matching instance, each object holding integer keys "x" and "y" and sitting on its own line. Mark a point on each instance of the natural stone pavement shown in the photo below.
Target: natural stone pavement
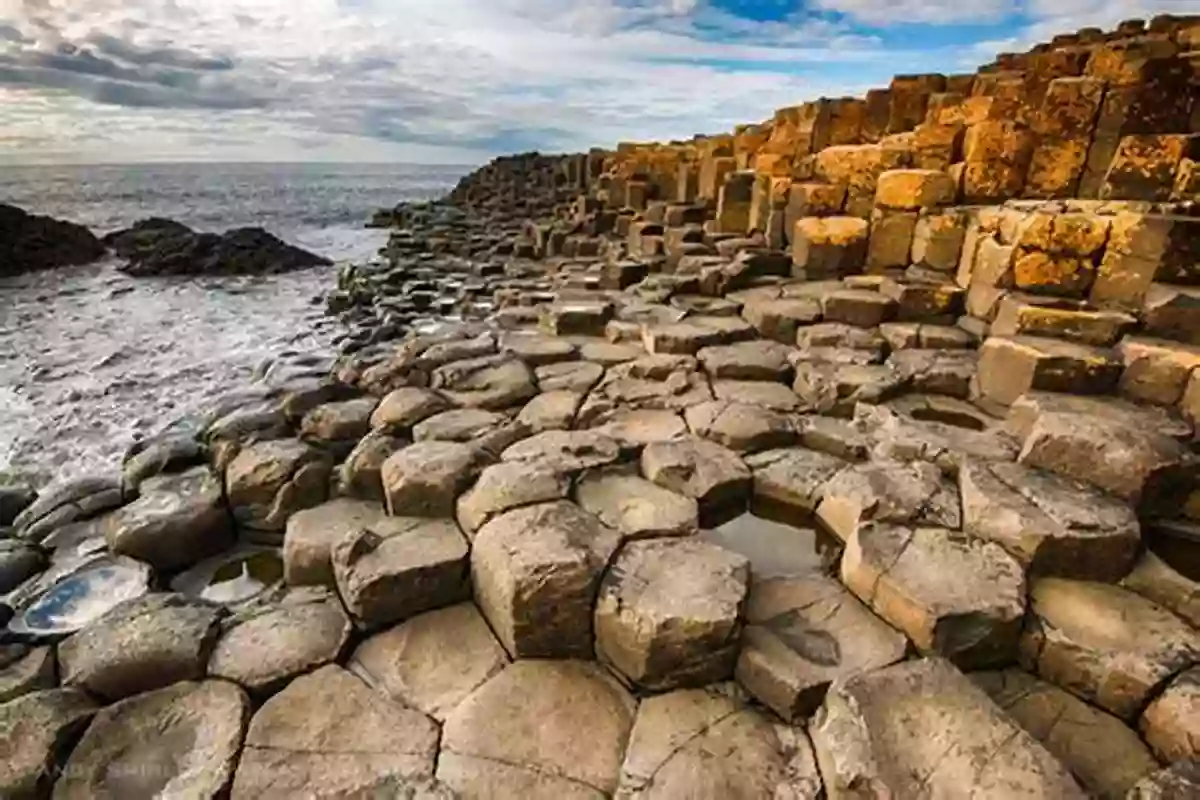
{"x": 851, "y": 455}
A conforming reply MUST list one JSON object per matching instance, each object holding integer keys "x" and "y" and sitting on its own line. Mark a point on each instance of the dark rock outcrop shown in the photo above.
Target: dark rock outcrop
{"x": 145, "y": 236}
{"x": 31, "y": 242}
{"x": 164, "y": 247}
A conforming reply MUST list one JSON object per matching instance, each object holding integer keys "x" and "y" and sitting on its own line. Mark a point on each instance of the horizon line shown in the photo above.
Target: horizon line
{"x": 201, "y": 162}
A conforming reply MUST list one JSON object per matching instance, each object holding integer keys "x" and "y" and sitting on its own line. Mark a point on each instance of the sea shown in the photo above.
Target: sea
{"x": 92, "y": 360}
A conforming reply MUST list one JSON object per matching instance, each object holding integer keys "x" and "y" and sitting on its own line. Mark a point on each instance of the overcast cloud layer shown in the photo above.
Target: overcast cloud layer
{"x": 453, "y": 81}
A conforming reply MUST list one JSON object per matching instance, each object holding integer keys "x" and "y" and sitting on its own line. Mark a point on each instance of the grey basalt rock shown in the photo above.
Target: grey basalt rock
{"x": 19, "y": 561}
{"x": 668, "y": 613}
{"x": 922, "y": 728}
{"x": 37, "y": 732}
{"x": 398, "y": 567}
{"x": 329, "y": 734}
{"x": 67, "y": 502}
{"x": 141, "y": 645}
{"x": 181, "y": 741}
{"x": 177, "y": 521}
{"x": 265, "y": 646}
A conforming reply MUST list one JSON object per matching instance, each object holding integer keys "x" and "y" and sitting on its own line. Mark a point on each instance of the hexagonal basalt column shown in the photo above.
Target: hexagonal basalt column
{"x": 1107, "y": 645}
{"x": 540, "y": 730}
{"x": 535, "y": 572}
{"x": 669, "y": 613}
{"x": 954, "y": 596}
{"x": 398, "y": 567}
{"x": 269, "y": 481}
{"x": 709, "y": 743}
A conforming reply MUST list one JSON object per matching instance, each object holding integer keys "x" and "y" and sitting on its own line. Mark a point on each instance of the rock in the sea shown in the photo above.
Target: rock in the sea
{"x": 15, "y": 497}
{"x": 144, "y": 236}
{"x": 328, "y": 734}
{"x": 182, "y": 741}
{"x": 397, "y": 567}
{"x": 30, "y": 242}
{"x": 804, "y": 632}
{"x": 150, "y": 457}
{"x": 709, "y": 744}
{"x": 140, "y": 645}
{"x": 37, "y": 732}
{"x": 177, "y": 521}
{"x": 433, "y": 661}
{"x": 535, "y": 571}
{"x": 266, "y": 645}
{"x": 519, "y": 735}
{"x": 922, "y": 729}
{"x": 161, "y": 247}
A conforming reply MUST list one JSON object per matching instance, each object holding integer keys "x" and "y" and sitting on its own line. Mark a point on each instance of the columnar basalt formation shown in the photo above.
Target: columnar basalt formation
{"x": 849, "y": 454}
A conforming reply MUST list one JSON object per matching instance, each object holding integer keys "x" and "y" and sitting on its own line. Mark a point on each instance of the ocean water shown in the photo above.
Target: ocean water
{"x": 91, "y": 360}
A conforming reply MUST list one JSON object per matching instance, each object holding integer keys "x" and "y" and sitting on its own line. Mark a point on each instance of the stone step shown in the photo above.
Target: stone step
{"x": 1010, "y": 366}
{"x": 1157, "y": 371}
{"x": 1134, "y": 452}
{"x": 1105, "y": 644}
{"x": 1030, "y": 315}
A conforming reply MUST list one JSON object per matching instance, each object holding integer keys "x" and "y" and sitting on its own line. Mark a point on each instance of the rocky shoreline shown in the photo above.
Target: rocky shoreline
{"x": 152, "y": 247}
{"x": 847, "y": 455}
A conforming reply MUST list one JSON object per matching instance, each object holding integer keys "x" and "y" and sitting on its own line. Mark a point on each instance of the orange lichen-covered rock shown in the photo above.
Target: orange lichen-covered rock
{"x": 1051, "y": 273}
{"x": 1137, "y": 244}
{"x": 858, "y": 167}
{"x": 829, "y": 246}
{"x": 997, "y": 155}
{"x": 891, "y": 239}
{"x": 1056, "y": 168}
{"x": 1144, "y": 166}
{"x": 914, "y": 189}
{"x": 734, "y": 201}
{"x": 937, "y": 146}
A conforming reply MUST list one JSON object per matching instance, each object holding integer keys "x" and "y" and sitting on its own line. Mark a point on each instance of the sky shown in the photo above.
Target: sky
{"x": 457, "y": 81}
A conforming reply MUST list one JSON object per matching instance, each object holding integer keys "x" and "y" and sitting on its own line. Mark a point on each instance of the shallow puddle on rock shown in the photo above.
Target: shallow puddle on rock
{"x": 776, "y": 548}
{"x": 243, "y": 578}
{"x": 80, "y": 595}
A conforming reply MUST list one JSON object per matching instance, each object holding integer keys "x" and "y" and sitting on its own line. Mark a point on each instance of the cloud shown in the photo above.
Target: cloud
{"x": 450, "y": 79}
{"x": 46, "y": 54}
{"x": 168, "y": 56}
{"x": 932, "y": 12}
